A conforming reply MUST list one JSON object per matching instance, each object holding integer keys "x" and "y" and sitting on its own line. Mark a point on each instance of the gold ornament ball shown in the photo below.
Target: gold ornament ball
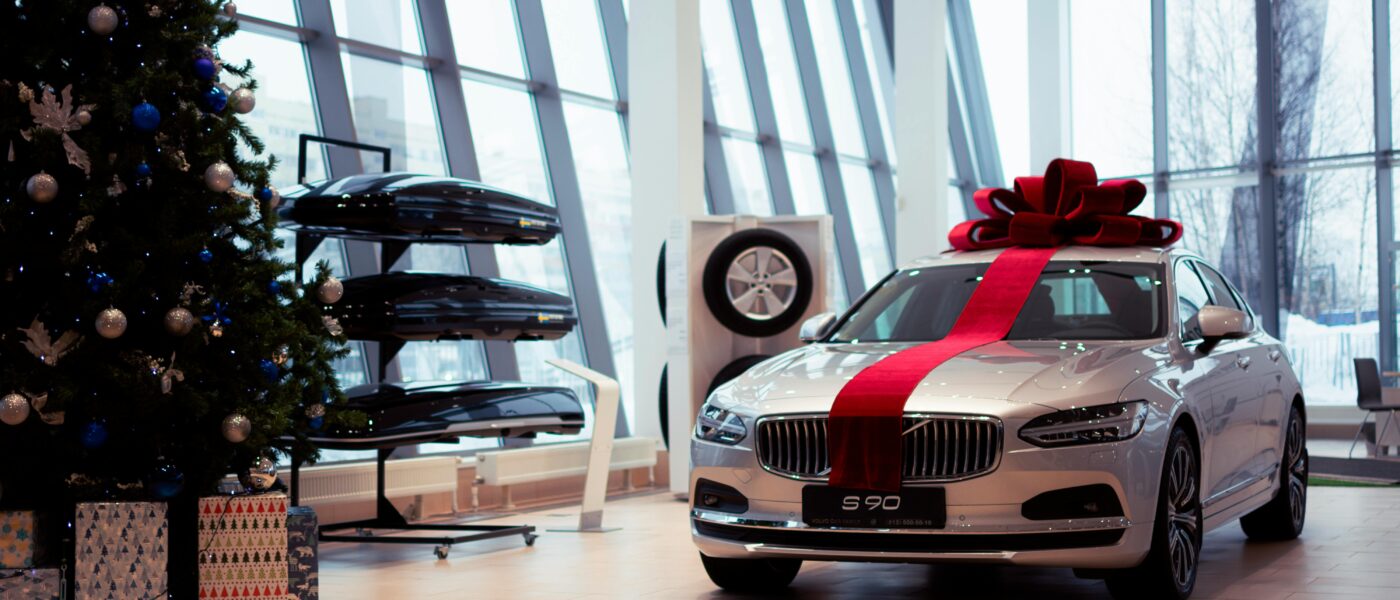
{"x": 84, "y": 117}
{"x": 316, "y": 411}
{"x": 236, "y": 428}
{"x": 102, "y": 20}
{"x": 42, "y": 187}
{"x": 330, "y": 290}
{"x": 179, "y": 321}
{"x": 14, "y": 409}
{"x": 111, "y": 323}
{"x": 219, "y": 177}
{"x": 242, "y": 101}
{"x": 230, "y": 10}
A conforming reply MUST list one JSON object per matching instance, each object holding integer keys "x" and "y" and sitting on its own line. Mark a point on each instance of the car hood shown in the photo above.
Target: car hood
{"x": 998, "y": 378}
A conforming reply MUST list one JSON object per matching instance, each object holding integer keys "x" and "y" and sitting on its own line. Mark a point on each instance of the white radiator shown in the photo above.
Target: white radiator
{"x": 540, "y": 463}
{"x": 331, "y": 484}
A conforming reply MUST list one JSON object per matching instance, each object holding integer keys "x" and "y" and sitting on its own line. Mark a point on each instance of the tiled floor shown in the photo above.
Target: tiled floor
{"x": 1350, "y": 550}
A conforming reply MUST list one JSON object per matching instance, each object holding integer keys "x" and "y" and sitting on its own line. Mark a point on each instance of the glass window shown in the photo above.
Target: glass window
{"x": 805, "y": 178}
{"x": 284, "y": 108}
{"x": 1219, "y": 290}
{"x": 393, "y": 107}
{"x": 724, "y": 66}
{"x": 441, "y": 361}
{"x": 865, "y": 220}
{"x": 1221, "y": 224}
{"x": 576, "y": 41}
{"x": 1210, "y": 83}
{"x": 784, "y": 83}
{"x": 485, "y": 36}
{"x": 1001, "y": 43}
{"x": 600, "y": 155}
{"x": 1191, "y": 296}
{"x": 1326, "y": 83}
{"x": 1111, "y": 82}
{"x": 506, "y": 136}
{"x": 867, "y": 44}
{"x": 388, "y": 23}
{"x": 281, "y": 11}
{"x": 747, "y": 176}
{"x": 835, "y": 78}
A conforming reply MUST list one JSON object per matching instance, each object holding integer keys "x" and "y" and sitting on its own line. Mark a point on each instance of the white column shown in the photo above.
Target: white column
{"x": 665, "y": 126}
{"x": 1047, "y": 41}
{"x": 921, "y": 127}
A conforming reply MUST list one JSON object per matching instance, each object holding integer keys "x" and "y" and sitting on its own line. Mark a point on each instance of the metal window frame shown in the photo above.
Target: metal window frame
{"x": 1386, "y": 246}
{"x": 1266, "y": 104}
{"x": 876, "y": 152}
{"x": 764, "y": 115}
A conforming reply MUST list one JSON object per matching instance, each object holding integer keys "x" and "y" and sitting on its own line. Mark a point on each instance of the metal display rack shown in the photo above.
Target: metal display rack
{"x": 387, "y": 517}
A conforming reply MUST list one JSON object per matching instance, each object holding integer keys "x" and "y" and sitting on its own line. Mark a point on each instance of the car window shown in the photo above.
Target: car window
{"x": 1219, "y": 290}
{"x": 1191, "y": 295}
{"x": 1073, "y": 300}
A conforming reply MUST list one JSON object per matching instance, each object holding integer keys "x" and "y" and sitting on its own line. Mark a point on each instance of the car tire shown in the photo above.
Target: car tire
{"x": 751, "y": 575}
{"x": 1169, "y": 570}
{"x": 1283, "y": 517}
{"x": 663, "y": 408}
{"x": 740, "y": 272}
{"x": 733, "y": 370}
{"x": 661, "y": 282}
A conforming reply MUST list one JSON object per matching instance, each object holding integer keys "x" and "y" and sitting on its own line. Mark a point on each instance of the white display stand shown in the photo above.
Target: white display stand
{"x": 698, "y": 345}
{"x": 595, "y": 483}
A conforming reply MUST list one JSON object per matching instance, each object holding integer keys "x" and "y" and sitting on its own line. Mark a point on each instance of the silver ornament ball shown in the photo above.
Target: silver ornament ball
{"x": 316, "y": 411}
{"x": 230, "y": 10}
{"x": 330, "y": 290}
{"x": 41, "y": 187}
{"x": 236, "y": 428}
{"x": 219, "y": 177}
{"x": 242, "y": 101}
{"x": 179, "y": 321}
{"x": 111, "y": 323}
{"x": 260, "y": 476}
{"x": 14, "y": 409}
{"x": 84, "y": 117}
{"x": 102, "y": 20}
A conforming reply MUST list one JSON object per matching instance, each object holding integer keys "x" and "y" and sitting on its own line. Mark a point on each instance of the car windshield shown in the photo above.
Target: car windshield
{"x": 1073, "y": 300}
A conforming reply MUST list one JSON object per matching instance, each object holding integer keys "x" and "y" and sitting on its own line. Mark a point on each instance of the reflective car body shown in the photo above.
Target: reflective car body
{"x": 431, "y": 306}
{"x": 417, "y": 208}
{"x": 1008, "y": 500}
{"x": 402, "y": 414}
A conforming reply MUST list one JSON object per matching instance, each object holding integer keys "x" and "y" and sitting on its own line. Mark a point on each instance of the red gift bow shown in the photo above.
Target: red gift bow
{"x": 865, "y": 428}
{"x": 1067, "y": 205}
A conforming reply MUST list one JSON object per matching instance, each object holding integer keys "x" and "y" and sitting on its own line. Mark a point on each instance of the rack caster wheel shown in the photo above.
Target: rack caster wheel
{"x": 530, "y": 539}
{"x": 441, "y": 552}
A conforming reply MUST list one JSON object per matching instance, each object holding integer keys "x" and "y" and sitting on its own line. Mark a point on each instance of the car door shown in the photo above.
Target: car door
{"x": 1263, "y": 355}
{"x": 1222, "y": 391}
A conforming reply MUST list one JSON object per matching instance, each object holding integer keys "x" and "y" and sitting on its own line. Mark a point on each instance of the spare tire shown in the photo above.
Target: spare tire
{"x": 664, "y": 409}
{"x": 661, "y": 282}
{"x": 733, "y": 370}
{"x": 757, "y": 282}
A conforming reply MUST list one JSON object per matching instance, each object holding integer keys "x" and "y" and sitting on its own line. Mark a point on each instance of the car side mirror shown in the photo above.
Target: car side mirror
{"x": 816, "y": 327}
{"x": 1220, "y": 323}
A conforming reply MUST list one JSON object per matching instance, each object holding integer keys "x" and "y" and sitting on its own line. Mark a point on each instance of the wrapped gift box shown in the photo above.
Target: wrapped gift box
{"x": 16, "y": 539}
{"x": 243, "y": 547}
{"x": 31, "y": 584}
{"x": 302, "y": 565}
{"x": 121, "y": 550}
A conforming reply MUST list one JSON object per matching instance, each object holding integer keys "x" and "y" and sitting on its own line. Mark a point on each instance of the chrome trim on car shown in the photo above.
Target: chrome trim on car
{"x": 818, "y": 453}
{"x": 1059, "y": 525}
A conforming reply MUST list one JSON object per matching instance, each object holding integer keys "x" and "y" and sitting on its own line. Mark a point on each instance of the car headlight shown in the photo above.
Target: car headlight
{"x": 1087, "y": 425}
{"x": 719, "y": 425}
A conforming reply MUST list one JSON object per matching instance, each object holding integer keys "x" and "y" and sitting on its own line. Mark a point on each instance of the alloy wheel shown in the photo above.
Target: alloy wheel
{"x": 762, "y": 283}
{"x": 1183, "y": 516}
{"x": 1297, "y": 471}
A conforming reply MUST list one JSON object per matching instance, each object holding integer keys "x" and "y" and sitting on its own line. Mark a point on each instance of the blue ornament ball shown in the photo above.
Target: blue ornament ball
{"x": 166, "y": 481}
{"x": 270, "y": 370}
{"x": 94, "y": 435}
{"x": 264, "y": 193}
{"x": 145, "y": 117}
{"x": 317, "y": 423}
{"x": 274, "y": 287}
{"x": 204, "y": 68}
{"x": 206, "y": 256}
{"x": 215, "y": 99}
{"x": 143, "y": 170}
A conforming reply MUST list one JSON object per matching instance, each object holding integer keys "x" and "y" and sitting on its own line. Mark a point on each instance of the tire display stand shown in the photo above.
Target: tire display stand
{"x": 387, "y": 517}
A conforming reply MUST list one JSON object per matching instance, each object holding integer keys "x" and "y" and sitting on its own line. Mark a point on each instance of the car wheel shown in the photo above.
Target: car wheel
{"x": 1169, "y": 571}
{"x": 734, "y": 369}
{"x": 757, "y": 282}
{"x": 663, "y": 407}
{"x": 1282, "y": 518}
{"x": 751, "y": 574}
{"x": 661, "y": 282}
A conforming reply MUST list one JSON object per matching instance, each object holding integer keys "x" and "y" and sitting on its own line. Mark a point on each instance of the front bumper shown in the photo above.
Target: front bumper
{"x": 984, "y": 520}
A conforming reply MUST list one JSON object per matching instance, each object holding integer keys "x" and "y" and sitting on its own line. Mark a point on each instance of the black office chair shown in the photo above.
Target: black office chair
{"x": 1368, "y": 398}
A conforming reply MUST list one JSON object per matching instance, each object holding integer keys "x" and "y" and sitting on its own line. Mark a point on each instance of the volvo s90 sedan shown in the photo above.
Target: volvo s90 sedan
{"x": 1135, "y": 405}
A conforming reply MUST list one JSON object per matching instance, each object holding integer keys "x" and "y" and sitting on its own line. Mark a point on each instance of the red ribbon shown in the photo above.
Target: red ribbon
{"x": 1066, "y": 206}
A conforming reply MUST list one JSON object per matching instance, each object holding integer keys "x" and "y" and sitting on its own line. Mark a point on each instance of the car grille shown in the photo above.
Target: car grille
{"x": 935, "y": 448}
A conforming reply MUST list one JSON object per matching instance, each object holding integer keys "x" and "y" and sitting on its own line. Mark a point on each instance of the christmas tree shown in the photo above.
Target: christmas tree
{"x": 149, "y": 341}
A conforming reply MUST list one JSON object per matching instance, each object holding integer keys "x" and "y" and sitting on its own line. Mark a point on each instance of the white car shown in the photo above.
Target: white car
{"x": 1135, "y": 405}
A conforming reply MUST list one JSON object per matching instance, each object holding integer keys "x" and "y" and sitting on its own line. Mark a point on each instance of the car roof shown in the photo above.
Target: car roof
{"x": 1137, "y": 254}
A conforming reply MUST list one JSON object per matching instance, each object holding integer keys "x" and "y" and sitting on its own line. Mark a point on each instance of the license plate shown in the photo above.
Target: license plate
{"x": 909, "y": 508}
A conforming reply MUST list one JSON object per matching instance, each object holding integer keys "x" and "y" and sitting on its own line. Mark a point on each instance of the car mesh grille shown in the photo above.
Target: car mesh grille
{"x": 935, "y": 448}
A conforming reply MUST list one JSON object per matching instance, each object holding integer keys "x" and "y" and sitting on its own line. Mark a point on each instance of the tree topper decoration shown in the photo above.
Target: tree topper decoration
{"x": 61, "y": 117}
